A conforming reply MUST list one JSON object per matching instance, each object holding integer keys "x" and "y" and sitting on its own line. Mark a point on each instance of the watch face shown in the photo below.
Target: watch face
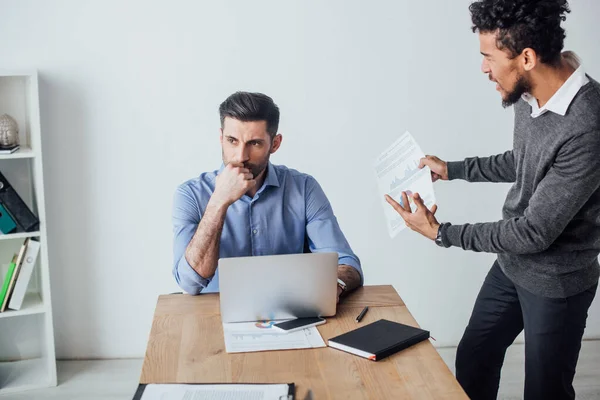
{"x": 438, "y": 240}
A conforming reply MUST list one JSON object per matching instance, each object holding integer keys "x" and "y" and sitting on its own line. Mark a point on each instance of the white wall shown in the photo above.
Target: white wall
{"x": 129, "y": 97}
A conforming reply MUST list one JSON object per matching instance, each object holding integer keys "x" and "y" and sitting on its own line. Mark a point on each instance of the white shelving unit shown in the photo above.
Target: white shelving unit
{"x": 27, "y": 352}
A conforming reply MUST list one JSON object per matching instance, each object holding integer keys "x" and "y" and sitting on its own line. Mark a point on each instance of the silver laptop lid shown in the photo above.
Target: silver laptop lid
{"x": 278, "y": 287}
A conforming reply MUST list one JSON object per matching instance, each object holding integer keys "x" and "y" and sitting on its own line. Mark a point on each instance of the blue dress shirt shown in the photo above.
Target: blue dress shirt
{"x": 289, "y": 209}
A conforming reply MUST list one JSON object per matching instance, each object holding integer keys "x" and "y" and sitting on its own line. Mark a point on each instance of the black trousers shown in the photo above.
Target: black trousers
{"x": 553, "y": 331}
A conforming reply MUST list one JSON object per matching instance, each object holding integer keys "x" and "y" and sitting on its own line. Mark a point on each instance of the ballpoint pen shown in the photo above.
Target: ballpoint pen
{"x": 362, "y": 314}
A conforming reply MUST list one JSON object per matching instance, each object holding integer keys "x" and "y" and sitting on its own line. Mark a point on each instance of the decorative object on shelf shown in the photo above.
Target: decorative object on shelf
{"x": 9, "y": 131}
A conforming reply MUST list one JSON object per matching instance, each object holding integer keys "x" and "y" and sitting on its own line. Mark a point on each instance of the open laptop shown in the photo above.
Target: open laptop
{"x": 278, "y": 287}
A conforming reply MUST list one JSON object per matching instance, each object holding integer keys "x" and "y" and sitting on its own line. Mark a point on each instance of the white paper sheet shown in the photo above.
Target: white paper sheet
{"x": 261, "y": 336}
{"x": 215, "y": 392}
{"x": 397, "y": 171}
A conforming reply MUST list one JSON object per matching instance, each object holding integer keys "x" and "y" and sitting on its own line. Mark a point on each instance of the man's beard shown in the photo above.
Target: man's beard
{"x": 521, "y": 87}
{"x": 256, "y": 169}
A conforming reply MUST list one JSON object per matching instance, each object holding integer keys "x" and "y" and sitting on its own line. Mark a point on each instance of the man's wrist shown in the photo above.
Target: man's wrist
{"x": 435, "y": 231}
{"x": 217, "y": 205}
{"x": 350, "y": 276}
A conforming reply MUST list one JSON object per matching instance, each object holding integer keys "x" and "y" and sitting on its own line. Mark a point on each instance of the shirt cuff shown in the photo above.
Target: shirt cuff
{"x": 188, "y": 279}
{"x": 351, "y": 261}
{"x": 456, "y": 170}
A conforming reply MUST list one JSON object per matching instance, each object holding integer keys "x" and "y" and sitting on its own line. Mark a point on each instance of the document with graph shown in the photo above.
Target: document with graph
{"x": 397, "y": 170}
{"x": 244, "y": 337}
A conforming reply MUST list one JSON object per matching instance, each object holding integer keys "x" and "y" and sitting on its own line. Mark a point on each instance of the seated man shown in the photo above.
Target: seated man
{"x": 251, "y": 207}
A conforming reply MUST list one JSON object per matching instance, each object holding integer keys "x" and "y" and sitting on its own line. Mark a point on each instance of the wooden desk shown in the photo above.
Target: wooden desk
{"x": 186, "y": 346}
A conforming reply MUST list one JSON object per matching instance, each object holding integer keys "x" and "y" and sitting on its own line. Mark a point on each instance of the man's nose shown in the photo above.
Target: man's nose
{"x": 485, "y": 67}
{"x": 242, "y": 154}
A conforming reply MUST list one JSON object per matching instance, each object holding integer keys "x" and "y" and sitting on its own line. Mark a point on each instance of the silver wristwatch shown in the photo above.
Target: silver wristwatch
{"x": 438, "y": 238}
{"x": 341, "y": 285}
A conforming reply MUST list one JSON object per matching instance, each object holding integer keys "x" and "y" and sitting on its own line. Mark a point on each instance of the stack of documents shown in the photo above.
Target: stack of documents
{"x": 247, "y": 337}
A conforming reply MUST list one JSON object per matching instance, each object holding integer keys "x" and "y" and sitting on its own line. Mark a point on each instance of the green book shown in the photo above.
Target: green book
{"x": 7, "y": 279}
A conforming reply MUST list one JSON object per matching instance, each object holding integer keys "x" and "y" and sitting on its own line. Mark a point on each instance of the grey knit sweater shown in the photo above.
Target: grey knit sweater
{"x": 549, "y": 238}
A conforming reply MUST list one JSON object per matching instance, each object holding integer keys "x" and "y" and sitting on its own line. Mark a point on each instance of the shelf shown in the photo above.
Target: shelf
{"x": 32, "y": 304}
{"x": 23, "y": 152}
{"x": 20, "y": 235}
{"x": 7, "y": 73}
{"x": 16, "y": 376}
{"x": 27, "y": 349}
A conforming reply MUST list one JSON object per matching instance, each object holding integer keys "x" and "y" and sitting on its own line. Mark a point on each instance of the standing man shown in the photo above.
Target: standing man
{"x": 546, "y": 273}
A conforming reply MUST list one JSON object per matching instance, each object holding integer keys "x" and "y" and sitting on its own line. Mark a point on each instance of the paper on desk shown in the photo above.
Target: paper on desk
{"x": 397, "y": 170}
{"x": 246, "y": 337}
{"x": 214, "y": 392}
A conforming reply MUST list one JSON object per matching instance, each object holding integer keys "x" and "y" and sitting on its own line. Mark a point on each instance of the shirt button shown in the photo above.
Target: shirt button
{"x": 255, "y": 231}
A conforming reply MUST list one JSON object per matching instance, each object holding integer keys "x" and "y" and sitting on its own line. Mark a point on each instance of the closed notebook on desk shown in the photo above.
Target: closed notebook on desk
{"x": 379, "y": 339}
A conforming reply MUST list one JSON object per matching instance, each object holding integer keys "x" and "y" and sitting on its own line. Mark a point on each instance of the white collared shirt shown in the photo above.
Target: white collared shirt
{"x": 561, "y": 100}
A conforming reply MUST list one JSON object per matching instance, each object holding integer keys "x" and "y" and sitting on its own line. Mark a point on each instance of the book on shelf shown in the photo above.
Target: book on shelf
{"x": 25, "y": 219}
{"x": 20, "y": 289}
{"x": 15, "y": 274}
{"x": 7, "y": 279}
{"x": 7, "y": 223}
{"x": 9, "y": 149}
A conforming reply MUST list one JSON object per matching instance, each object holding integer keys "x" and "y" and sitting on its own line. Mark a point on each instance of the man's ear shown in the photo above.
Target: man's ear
{"x": 276, "y": 143}
{"x": 221, "y": 135}
{"x": 529, "y": 59}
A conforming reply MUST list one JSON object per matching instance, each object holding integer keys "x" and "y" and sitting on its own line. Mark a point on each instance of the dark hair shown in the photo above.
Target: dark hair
{"x": 245, "y": 106}
{"x": 521, "y": 24}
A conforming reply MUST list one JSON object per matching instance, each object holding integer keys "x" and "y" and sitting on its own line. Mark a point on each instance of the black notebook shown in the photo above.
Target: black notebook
{"x": 379, "y": 339}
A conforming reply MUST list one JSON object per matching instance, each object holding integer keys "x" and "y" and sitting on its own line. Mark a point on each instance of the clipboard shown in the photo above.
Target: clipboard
{"x": 290, "y": 396}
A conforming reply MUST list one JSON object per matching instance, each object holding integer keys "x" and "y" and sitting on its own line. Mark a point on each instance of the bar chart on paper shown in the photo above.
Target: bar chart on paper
{"x": 410, "y": 170}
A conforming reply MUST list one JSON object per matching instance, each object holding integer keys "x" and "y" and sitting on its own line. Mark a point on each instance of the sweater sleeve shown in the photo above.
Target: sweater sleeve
{"x": 498, "y": 168}
{"x": 569, "y": 183}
